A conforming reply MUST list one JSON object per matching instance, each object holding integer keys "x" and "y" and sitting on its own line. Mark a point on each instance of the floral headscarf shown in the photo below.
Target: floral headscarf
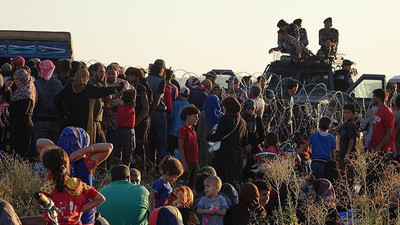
{"x": 180, "y": 197}
{"x": 27, "y": 90}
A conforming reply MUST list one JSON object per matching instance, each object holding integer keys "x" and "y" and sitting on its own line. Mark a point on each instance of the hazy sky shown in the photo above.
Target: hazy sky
{"x": 201, "y": 35}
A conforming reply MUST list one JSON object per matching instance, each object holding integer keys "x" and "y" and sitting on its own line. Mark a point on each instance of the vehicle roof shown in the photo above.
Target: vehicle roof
{"x": 34, "y": 35}
{"x": 224, "y": 72}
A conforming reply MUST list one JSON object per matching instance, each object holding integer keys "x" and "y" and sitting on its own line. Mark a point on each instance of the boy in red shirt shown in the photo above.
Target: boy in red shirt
{"x": 187, "y": 144}
{"x": 125, "y": 134}
{"x": 383, "y": 131}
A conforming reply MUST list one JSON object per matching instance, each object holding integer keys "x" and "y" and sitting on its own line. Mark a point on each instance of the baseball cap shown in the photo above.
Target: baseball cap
{"x": 232, "y": 79}
{"x": 185, "y": 91}
{"x": 329, "y": 19}
{"x": 347, "y": 62}
{"x": 210, "y": 74}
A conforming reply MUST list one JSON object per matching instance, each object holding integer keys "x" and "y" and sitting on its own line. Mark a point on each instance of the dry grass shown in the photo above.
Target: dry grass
{"x": 18, "y": 183}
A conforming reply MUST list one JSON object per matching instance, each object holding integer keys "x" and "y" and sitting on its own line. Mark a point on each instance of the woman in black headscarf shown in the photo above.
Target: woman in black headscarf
{"x": 232, "y": 132}
{"x": 248, "y": 211}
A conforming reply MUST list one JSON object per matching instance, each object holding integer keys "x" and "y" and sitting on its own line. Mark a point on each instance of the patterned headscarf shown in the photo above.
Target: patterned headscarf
{"x": 46, "y": 69}
{"x": 27, "y": 90}
{"x": 166, "y": 215}
{"x": 73, "y": 138}
{"x": 80, "y": 80}
{"x": 194, "y": 83}
{"x": 213, "y": 110}
{"x": 180, "y": 197}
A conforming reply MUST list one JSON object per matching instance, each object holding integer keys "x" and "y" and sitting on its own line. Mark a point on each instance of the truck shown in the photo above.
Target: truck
{"x": 35, "y": 44}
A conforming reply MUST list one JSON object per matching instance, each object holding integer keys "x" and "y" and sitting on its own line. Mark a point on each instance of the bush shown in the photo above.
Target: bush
{"x": 18, "y": 183}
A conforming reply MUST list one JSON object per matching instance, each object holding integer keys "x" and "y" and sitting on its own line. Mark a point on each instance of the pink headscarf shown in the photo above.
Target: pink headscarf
{"x": 46, "y": 69}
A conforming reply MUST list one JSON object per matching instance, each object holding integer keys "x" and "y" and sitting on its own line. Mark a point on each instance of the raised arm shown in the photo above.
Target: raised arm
{"x": 44, "y": 144}
{"x": 100, "y": 151}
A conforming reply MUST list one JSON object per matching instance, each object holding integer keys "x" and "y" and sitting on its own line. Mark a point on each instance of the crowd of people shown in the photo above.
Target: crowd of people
{"x": 201, "y": 138}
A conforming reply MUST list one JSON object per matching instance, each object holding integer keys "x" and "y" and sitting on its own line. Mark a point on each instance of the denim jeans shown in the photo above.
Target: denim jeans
{"x": 158, "y": 136}
{"x": 318, "y": 169}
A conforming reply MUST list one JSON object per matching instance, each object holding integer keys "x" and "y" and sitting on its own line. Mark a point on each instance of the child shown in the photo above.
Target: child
{"x": 187, "y": 143}
{"x": 125, "y": 135}
{"x": 68, "y": 194}
{"x": 348, "y": 133}
{"x": 213, "y": 206}
{"x": 323, "y": 147}
{"x": 174, "y": 119}
{"x": 271, "y": 140}
{"x": 171, "y": 169}
{"x": 84, "y": 159}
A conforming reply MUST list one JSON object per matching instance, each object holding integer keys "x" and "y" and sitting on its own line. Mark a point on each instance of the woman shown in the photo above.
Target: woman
{"x": 19, "y": 112}
{"x": 255, "y": 131}
{"x": 218, "y": 90}
{"x": 209, "y": 117}
{"x": 249, "y": 210}
{"x": 79, "y": 97}
{"x": 232, "y": 132}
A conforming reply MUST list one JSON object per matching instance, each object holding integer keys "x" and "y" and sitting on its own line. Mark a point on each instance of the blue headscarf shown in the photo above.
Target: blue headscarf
{"x": 213, "y": 110}
{"x": 72, "y": 139}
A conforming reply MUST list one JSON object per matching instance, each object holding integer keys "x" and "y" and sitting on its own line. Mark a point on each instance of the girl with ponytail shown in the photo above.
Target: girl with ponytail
{"x": 68, "y": 194}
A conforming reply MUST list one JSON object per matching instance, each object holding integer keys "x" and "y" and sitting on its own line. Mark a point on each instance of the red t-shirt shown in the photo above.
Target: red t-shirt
{"x": 190, "y": 147}
{"x": 126, "y": 115}
{"x": 70, "y": 201}
{"x": 168, "y": 99}
{"x": 383, "y": 118}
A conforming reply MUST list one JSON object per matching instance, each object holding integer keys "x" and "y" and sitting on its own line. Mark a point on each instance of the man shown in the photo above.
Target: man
{"x": 302, "y": 32}
{"x": 211, "y": 76}
{"x": 47, "y": 120}
{"x": 65, "y": 69}
{"x": 291, "y": 45}
{"x": 255, "y": 94}
{"x": 126, "y": 203}
{"x": 6, "y": 71}
{"x": 328, "y": 40}
{"x": 135, "y": 176}
{"x": 391, "y": 88}
{"x": 282, "y": 25}
{"x": 158, "y": 109}
{"x": 285, "y": 106}
{"x": 234, "y": 89}
{"x": 342, "y": 78}
{"x": 98, "y": 79}
{"x": 383, "y": 131}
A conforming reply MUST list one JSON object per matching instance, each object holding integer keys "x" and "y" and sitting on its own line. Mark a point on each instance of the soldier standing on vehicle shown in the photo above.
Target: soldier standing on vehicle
{"x": 302, "y": 32}
{"x": 328, "y": 40}
{"x": 342, "y": 78}
{"x": 285, "y": 106}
